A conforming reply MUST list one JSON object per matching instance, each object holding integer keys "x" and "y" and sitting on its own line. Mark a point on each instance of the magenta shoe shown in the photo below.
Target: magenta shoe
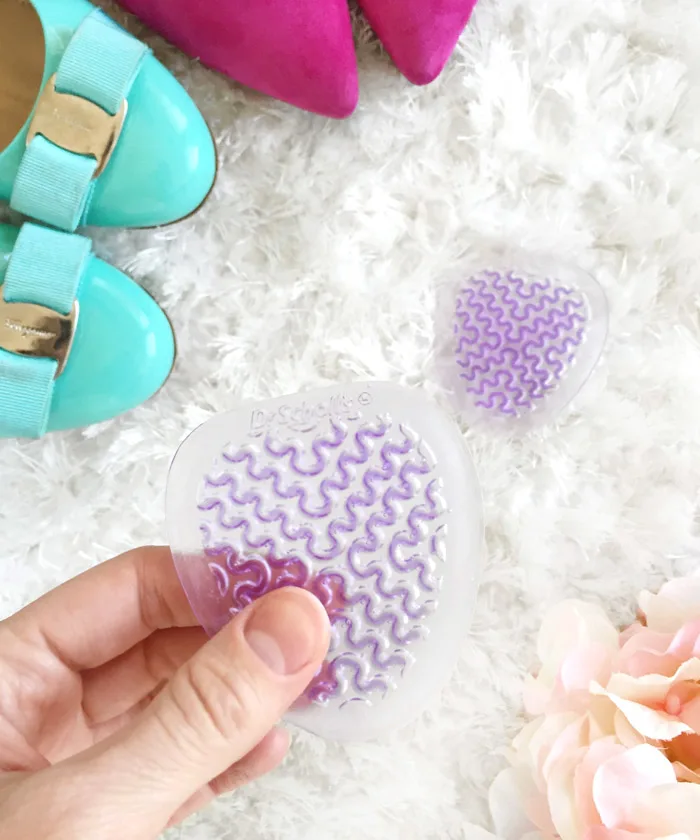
{"x": 299, "y": 51}
{"x": 418, "y": 34}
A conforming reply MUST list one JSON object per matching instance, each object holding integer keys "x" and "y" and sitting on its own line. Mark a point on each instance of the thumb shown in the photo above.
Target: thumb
{"x": 220, "y": 704}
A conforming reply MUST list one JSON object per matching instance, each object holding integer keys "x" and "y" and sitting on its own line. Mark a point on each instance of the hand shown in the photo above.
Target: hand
{"x": 118, "y": 717}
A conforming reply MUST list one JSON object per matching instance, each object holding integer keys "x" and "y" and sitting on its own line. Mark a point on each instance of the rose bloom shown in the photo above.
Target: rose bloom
{"x": 614, "y": 750}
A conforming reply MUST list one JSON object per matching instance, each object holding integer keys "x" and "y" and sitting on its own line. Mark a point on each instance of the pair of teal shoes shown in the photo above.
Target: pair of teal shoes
{"x": 93, "y": 131}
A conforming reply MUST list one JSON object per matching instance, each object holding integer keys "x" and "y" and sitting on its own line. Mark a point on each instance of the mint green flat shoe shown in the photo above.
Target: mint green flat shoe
{"x": 93, "y": 129}
{"x": 80, "y": 342}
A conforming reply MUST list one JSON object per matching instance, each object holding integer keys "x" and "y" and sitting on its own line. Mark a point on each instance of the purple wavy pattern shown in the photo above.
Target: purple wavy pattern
{"x": 515, "y": 339}
{"x": 361, "y": 510}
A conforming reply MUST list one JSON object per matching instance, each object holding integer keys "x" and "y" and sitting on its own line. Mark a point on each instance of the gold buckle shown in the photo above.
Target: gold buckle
{"x": 77, "y": 125}
{"x": 31, "y": 330}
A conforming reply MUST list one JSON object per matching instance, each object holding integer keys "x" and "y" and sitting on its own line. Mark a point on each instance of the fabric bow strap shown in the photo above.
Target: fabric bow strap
{"x": 77, "y": 122}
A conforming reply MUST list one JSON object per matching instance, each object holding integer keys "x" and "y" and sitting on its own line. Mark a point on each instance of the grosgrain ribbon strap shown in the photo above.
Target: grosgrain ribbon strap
{"x": 100, "y": 64}
{"x": 45, "y": 269}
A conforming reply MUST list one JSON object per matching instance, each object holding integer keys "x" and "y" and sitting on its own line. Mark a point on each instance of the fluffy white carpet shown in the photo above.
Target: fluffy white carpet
{"x": 571, "y": 126}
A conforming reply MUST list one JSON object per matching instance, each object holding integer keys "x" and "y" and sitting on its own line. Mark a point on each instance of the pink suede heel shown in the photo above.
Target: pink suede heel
{"x": 299, "y": 51}
{"x": 419, "y": 35}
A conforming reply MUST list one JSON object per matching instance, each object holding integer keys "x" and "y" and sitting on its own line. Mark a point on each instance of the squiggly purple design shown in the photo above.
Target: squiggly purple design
{"x": 284, "y": 514}
{"x": 370, "y": 543}
{"x": 363, "y": 684}
{"x": 317, "y": 447}
{"x": 515, "y": 339}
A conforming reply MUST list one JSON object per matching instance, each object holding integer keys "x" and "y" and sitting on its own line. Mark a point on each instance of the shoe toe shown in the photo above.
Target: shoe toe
{"x": 122, "y": 354}
{"x": 164, "y": 165}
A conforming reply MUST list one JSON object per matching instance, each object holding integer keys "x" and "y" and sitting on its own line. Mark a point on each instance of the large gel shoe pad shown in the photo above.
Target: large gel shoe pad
{"x": 364, "y": 495}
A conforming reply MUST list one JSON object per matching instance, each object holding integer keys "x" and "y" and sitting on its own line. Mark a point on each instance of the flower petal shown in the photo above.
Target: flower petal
{"x": 686, "y": 750}
{"x": 619, "y": 781}
{"x": 509, "y": 790}
{"x": 534, "y": 743}
{"x": 602, "y": 715}
{"x": 649, "y": 722}
{"x": 626, "y": 734}
{"x": 602, "y": 833}
{"x": 686, "y": 642}
{"x": 598, "y": 753}
{"x": 631, "y": 631}
{"x": 647, "y": 652}
{"x": 561, "y": 797}
{"x": 570, "y": 740}
{"x": 677, "y": 603}
{"x": 586, "y": 663}
{"x": 669, "y": 809}
{"x": 569, "y": 625}
{"x": 684, "y": 700}
{"x": 537, "y": 693}
{"x": 523, "y": 740}
{"x": 653, "y": 688}
{"x": 685, "y": 774}
{"x": 689, "y": 670}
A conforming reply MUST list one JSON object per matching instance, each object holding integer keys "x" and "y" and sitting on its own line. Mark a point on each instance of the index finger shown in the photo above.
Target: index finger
{"x": 107, "y": 610}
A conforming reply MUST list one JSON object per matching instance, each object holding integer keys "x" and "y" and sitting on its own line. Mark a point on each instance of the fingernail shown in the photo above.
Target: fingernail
{"x": 284, "y": 628}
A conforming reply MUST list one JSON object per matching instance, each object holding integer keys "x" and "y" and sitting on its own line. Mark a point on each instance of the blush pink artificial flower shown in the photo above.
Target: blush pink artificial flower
{"x": 613, "y": 751}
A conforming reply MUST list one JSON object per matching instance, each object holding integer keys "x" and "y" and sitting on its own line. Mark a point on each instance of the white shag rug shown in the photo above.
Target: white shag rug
{"x": 568, "y": 126}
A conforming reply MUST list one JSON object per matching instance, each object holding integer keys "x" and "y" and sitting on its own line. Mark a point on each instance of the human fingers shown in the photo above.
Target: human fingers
{"x": 107, "y": 610}
{"x": 59, "y": 805}
{"x": 262, "y": 759}
{"x": 211, "y": 714}
{"x": 118, "y": 688}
